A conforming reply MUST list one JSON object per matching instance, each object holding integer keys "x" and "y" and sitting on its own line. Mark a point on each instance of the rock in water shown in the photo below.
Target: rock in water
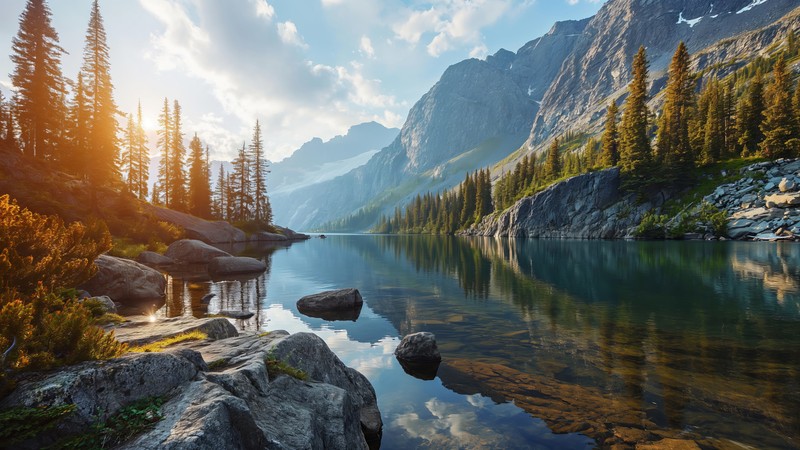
{"x": 124, "y": 280}
{"x": 193, "y": 252}
{"x": 244, "y": 315}
{"x": 154, "y": 259}
{"x": 418, "y": 348}
{"x": 234, "y": 265}
{"x": 329, "y": 301}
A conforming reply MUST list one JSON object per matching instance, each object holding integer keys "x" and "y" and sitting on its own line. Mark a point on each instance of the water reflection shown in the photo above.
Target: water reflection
{"x": 614, "y": 340}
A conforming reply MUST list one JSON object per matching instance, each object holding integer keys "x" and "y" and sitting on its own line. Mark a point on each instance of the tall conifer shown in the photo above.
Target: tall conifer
{"x": 40, "y": 84}
{"x": 673, "y": 149}
{"x": 199, "y": 188}
{"x": 610, "y": 153}
{"x": 635, "y": 152}
{"x": 262, "y": 211}
{"x": 779, "y": 125}
{"x": 161, "y": 193}
{"x": 177, "y": 153}
{"x": 103, "y": 150}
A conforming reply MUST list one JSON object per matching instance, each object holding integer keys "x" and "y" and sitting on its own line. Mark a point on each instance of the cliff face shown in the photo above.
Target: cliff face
{"x": 598, "y": 67}
{"x": 588, "y": 206}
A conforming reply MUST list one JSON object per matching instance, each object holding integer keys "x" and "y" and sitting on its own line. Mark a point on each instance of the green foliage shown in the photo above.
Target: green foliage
{"x": 122, "y": 426}
{"x": 277, "y": 367}
{"x": 217, "y": 364}
{"x": 635, "y": 152}
{"x": 652, "y": 226}
{"x": 19, "y": 424}
{"x": 714, "y": 218}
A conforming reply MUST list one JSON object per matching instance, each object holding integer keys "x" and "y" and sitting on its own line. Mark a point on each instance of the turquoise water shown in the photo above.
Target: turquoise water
{"x": 550, "y": 344}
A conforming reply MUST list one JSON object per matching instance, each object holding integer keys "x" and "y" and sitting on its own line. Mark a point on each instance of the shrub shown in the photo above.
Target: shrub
{"x": 40, "y": 328}
{"x": 716, "y": 219}
{"x": 652, "y": 226}
{"x": 40, "y": 249}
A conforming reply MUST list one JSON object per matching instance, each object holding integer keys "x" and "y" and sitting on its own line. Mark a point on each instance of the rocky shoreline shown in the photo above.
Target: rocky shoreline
{"x": 763, "y": 204}
{"x": 218, "y": 393}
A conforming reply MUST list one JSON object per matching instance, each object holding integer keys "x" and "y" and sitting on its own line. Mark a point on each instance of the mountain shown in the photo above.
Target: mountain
{"x": 475, "y": 115}
{"x": 491, "y": 113}
{"x": 599, "y": 65}
{"x": 316, "y": 162}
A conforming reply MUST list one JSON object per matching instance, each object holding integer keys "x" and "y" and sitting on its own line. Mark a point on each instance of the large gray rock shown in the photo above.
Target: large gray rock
{"x": 418, "y": 348}
{"x": 309, "y": 353}
{"x": 141, "y": 330}
{"x": 234, "y": 265}
{"x": 235, "y": 404}
{"x": 153, "y": 259}
{"x": 339, "y": 300}
{"x": 192, "y": 251}
{"x": 783, "y": 200}
{"x": 99, "y": 389}
{"x": 124, "y": 280}
{"x": 787, "y": 185}
{"x": 196, "y": 228}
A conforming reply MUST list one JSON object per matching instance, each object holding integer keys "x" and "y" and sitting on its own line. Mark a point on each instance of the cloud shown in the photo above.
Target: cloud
{"x": 257, "y": 70}
{"x": 452, "y": 23}
{"x": 288, "y": 33}
{"x": 365, "y": 47}
{"x": 264, "y": 9}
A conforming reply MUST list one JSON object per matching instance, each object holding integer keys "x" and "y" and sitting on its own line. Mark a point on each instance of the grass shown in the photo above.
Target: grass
{"x": 158, "y": 346}
{"x": 110, "y": 318}
{"x": 277, "y": 367}
{"x": 122, "y": 426}
{"x": 217, "y": 364}
{"x": 19, "y": 424}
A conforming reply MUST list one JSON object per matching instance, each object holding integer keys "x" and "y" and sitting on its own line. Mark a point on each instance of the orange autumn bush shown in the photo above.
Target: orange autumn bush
{"x": 40, "y": 257}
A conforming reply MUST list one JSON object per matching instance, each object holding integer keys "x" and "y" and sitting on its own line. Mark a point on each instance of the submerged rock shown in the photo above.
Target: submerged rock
{"x": 418, "y": 348}
{"x": 234, "y": 265}
{"x": 192, "y": 251}
{"x": 343, "y": 300}
{"x": 124, "y": 280}
{"x": 236, "y": 314}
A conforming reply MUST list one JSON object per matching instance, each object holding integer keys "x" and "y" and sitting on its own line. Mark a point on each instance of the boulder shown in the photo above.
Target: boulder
{"x": 783, "y": 200}
{"x": 192, "y": 251}
{"x": 340, "y": 300}
{"x": 244, "y": 315}
{"x": 418, "y": 348}
{"x": 234, "y": 265}
{"x": 140, "y": 331}
{"x": 787, "y": 185}
{"x": 203, "y": 230}
{"x": 308, "y": 352}
{"x": 293, "y": 235}
{"x": 153, "y": 259}
{"x": 124, "y": 280}
{"x": 265, "y": 236}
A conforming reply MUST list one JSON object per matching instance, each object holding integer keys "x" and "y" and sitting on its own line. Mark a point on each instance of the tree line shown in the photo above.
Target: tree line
{"x": 74, "y": 125}
{"x": 750, "y": 113}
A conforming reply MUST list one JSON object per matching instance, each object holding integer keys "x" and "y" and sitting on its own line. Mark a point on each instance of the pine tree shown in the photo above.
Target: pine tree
{"x": 199, "y": 188}
{"x": 80, "y": 114}
{"x": 130, "y": 160}
{"x": 40, "y": 84}
{"x": 103, "y": 149}
{"x": 749, "y": 117}
{"x": 262, "y": 210}
{"x": 673, "y": 147}
{"x": 714, "y": 127}
{"x": 177, "y": 179}
{"x": 610, "y": 155}
{"x": 552, "y": 165}
{"x": 635, "y": 153}
{"x": 220, "y": 200}
{"x": 165, "y": 146}
{"x": 779, "y": 126}
{"x": 10, "y": 136}
{"x": 469, "y": 195}
{"x": 240, "y": 187}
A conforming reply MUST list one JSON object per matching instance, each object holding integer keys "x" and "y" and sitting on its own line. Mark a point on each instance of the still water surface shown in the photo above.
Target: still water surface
{"x": 549, "y": 344}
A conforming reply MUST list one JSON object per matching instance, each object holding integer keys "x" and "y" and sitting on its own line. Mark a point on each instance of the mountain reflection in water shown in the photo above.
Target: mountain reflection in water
{"x": 622, "y": 342}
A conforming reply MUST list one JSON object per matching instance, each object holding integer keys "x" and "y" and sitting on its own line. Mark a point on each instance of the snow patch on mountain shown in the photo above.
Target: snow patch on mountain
{"x": 751, "y": 6}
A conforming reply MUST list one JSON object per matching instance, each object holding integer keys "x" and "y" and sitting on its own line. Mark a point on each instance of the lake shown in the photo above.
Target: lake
{"x": 549, "y": 344}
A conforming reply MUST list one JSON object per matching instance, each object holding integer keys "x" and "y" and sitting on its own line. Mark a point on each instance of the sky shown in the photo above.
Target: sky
{"x": 303, "y": 68}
